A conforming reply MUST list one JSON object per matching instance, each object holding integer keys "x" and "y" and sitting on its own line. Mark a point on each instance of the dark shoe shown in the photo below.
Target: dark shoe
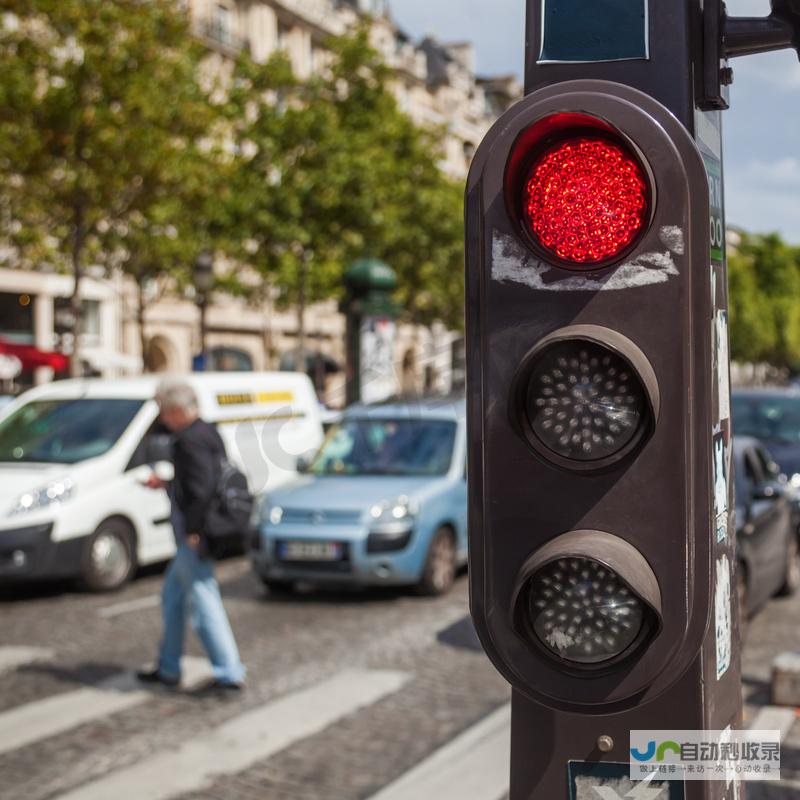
{"x": 217, "y": 688}
{"x": 153, "y": 676}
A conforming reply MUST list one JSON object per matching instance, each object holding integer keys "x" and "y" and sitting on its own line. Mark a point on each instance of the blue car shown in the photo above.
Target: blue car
{"x": 384, "y": 502}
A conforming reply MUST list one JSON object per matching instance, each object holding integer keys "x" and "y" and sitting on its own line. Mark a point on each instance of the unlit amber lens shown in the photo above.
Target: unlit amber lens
{"x": 584, "y": 402}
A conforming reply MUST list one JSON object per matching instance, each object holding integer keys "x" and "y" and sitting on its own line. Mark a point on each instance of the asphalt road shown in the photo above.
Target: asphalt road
{"x": 350, "y": 696}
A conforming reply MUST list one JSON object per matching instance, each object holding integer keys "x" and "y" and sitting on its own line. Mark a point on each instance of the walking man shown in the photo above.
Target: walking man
{"x": 190, "y": 589}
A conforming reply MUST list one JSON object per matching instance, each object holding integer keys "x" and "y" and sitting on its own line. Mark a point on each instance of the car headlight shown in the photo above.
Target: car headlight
{"x": 53, "y": 492}
{"x": 795, "y": 480}
{"x": 263, "y": 512}
{"x": 400, "y": 510}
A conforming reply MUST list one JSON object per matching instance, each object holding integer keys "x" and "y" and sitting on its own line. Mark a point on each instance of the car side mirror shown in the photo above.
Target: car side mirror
{"x": 302, "y": 464}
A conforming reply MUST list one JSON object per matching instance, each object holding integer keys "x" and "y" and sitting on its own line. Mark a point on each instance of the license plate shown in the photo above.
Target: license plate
{"x": 310, "y": 551}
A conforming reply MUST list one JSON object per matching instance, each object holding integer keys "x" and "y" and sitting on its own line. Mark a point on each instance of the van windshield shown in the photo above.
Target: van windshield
{"x": 387, "y": 447}
{"x": 64, "y": 431}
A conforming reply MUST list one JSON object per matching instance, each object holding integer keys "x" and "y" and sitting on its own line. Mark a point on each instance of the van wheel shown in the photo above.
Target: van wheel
{"x": 791, "y": 581}
{"x": 439, "y": 572}
{"x": 108, "y": 561}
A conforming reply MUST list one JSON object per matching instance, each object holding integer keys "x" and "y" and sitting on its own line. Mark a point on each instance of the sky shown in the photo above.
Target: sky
{"x": 761, "y": 128}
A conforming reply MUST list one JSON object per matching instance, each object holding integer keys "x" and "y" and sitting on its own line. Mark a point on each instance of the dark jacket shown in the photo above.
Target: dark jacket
{"x": 197, "y": 454}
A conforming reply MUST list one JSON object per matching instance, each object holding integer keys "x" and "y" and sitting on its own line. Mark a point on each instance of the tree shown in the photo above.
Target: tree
{"x": 764, "y": 282}
{"x": 102, "y": 120}
{"x": 330, "y": 171}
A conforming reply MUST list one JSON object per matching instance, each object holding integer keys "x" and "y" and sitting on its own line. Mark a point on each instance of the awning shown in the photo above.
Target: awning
{"x": 31, "y": 357}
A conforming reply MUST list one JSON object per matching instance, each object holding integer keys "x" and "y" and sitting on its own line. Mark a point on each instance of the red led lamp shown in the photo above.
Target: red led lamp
{"x": 585, "y": 200}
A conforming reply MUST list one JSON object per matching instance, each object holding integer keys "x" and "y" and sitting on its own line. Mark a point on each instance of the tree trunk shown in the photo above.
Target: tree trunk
{"x": 300, "y": 357}
{"x": 78, "y": 242}
{"x": 266, "y": 332}
{"x": 141, "y": 305}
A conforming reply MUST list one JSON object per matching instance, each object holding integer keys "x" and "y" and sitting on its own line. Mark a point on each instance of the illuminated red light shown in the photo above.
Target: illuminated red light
{"x": 585, "y": 200}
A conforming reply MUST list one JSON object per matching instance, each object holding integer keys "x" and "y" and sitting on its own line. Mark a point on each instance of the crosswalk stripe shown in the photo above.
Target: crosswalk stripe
{"x": 774, "y": 718}
{"x": 244, "y": 740}
{"x": 13, "y": 656}
{"x": 141, "y": 603}
{"x": 473, "y": 766}
{"x": 40, "y": 719}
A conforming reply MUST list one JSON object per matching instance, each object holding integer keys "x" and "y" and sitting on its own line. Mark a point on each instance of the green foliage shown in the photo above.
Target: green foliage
{"x": 332, "y": 171}
{"x": 103, "y": 134}
{"x": 117, "y": 149}
{"x": 764, "y": 287}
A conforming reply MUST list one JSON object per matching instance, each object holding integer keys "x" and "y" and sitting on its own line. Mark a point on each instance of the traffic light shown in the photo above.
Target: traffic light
{"x": 602, "y": 554}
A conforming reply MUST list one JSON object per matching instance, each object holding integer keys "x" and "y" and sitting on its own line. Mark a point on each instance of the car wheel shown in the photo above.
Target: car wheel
{"x": 439, "y": 572}
{"x": 791, "y": 581}
{"x": 741, "y": 599}
{"x": 109, "y": 559}
{"x": 278, "y": 587}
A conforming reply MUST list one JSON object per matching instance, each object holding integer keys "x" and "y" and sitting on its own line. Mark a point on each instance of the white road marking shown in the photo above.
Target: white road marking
{"x": 473, "y": 766}
{"x": 774, "y": 718}
{"x": 31, "y": 722}
{"x": 107, "y": 612}
{"x": 244, "y": 740}
{"x": 13, "y": 656}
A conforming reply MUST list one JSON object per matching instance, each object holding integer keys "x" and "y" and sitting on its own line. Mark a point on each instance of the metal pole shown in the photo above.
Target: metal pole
{"x": 203, "y": 304}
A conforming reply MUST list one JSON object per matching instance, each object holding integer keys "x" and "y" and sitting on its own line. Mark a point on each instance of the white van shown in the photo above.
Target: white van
{"x": 74, "y": 456}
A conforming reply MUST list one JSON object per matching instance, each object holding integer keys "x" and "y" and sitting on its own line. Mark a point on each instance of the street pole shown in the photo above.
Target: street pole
{"x": 603, "y": 562}
{"x": 203, "y": 278}
{"x": 203, "y": 307}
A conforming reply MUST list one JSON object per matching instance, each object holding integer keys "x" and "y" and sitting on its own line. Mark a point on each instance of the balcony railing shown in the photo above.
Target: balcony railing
{"x": 221, "y": 37}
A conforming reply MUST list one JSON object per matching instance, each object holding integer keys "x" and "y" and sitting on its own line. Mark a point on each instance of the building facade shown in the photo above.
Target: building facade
{"x": 435, "y": 84}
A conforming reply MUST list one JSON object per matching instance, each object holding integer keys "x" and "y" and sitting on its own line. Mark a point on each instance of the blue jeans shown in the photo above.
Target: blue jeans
{"x": 190, "y": 588}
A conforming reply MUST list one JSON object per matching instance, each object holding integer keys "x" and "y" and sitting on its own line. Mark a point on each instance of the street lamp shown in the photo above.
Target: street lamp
{"x": 203, "y": 279}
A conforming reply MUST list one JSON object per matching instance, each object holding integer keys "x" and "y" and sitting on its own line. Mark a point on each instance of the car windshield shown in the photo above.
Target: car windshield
{"x": 64, "y": 431}
{"x": 773, "y": 418}
{"x": 387, "y": 447}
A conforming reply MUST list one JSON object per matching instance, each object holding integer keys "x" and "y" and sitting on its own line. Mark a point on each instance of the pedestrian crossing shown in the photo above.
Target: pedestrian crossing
{"x": 19, "y": 656}
{"x": 248, "y": 738}
{"x": 32, "y": 722}
{"x": 472, "y": 766}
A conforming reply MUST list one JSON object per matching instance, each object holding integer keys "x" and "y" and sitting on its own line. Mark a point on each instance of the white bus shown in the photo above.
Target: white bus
{"x": 75, "y": 454}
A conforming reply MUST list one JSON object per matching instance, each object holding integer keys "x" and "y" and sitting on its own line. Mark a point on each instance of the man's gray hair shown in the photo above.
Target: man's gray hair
{"x": 177, "y": 393}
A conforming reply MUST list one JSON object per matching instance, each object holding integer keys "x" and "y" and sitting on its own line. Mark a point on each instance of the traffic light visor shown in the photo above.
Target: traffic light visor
{"x": 588, "y": 599}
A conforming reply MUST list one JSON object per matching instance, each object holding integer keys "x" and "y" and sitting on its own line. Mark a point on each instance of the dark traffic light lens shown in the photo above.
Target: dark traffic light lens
{"x": 582, "y": 612}
{"x": 586, "y": 200}
{"x": 584, "y": 402}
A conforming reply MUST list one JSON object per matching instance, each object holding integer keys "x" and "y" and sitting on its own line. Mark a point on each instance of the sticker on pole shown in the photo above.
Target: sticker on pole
{"x": 721, "y": 491}
{"x": 722, "y": 615}
{"x": 591, "y": 780}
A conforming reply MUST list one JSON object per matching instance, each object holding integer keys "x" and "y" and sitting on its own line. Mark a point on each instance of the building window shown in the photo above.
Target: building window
{"x": 88, "y": 323}
{"x": 229, "y": 359}
{"x": 458, "y": 365}
{"x": 90, "y": 319}
{"x": 284, "y": 33}
{"x": 221, "y": 27}
{"x": 16, "y": 317}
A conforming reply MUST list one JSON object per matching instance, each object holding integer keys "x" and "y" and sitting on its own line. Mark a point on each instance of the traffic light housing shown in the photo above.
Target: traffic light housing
{"x": 587, "y": 380}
